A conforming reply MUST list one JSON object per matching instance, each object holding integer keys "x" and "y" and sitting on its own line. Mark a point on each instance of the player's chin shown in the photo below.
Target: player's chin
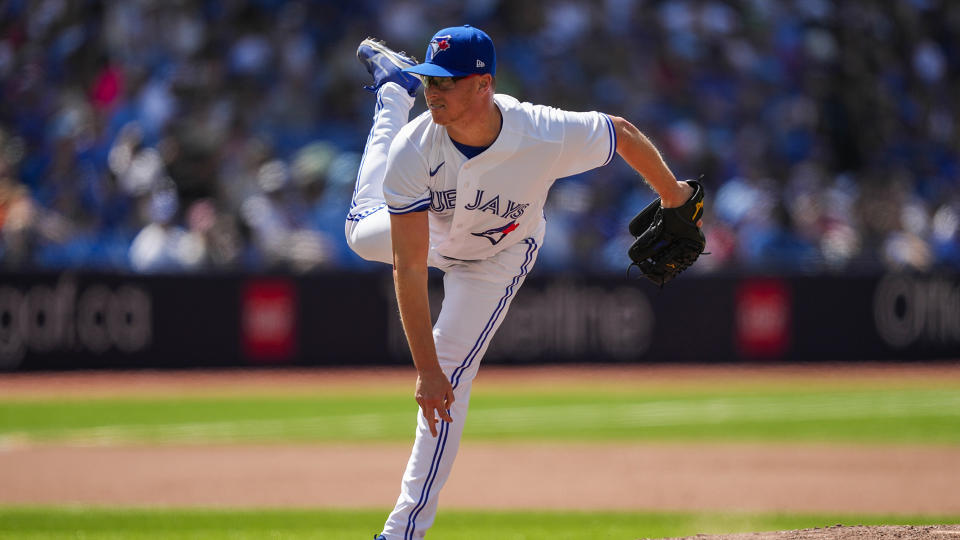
{"x": 440, "y": 116}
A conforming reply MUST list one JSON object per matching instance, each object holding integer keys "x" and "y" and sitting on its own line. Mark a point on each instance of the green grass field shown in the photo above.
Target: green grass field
{"x": 113, "y": 524}
{"x": 864, "y": 415}
{"x": 873, "y": 412}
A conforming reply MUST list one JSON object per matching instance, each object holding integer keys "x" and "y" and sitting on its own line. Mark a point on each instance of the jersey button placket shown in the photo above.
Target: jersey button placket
{"x": 467, "y": 187}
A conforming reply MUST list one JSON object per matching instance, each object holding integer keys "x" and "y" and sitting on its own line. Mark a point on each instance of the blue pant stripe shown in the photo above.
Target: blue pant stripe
{"x": 431, "y": 477}
{"x": 356, "y": 188}
{"x": 468, "y": 361}
{"x": 368, "y": 212}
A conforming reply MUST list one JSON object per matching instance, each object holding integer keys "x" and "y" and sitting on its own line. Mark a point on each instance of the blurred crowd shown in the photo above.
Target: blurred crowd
{"x": 225, "y": 135}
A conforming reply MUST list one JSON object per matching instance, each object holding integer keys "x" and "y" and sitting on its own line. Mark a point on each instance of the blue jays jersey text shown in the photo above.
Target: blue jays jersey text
{"x": 441, "y": 201}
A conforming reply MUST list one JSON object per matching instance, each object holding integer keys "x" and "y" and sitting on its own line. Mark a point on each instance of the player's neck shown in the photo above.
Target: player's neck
{"x": 481, "y": 129}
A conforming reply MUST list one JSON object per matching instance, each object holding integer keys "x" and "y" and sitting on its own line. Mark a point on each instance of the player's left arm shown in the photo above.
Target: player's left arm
{"x": 637, "y": 150}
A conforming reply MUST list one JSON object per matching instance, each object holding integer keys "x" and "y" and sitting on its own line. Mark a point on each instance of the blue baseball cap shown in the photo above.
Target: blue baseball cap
{"x": 458, "y": 51}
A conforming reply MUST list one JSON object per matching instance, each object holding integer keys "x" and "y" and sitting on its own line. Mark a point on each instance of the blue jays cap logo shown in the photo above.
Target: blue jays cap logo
{"x": 439, "y": 44}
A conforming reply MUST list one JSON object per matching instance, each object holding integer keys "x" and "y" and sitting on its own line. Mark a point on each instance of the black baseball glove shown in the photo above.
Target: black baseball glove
{"x": 668, "y": 239}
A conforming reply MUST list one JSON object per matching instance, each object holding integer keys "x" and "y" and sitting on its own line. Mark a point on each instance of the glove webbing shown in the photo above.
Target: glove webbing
{"x": 682, "y": 251}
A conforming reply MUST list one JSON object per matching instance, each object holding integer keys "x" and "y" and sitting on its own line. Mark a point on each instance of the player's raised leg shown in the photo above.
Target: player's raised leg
{"x": 477, "y": 296}
{"x": 368, "y": 223}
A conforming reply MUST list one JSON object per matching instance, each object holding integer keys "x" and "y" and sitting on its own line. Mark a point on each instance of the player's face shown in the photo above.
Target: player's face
{"x": 450, "y": 98}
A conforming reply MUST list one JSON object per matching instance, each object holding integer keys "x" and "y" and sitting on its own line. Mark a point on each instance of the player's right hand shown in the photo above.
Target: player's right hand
{"x": 435, "y": 397}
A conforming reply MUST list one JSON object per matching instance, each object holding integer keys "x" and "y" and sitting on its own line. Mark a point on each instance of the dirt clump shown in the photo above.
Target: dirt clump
{"x": 840, "y": 532}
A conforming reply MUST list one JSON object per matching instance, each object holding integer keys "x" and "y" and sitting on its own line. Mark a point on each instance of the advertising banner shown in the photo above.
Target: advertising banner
{"x": 91, "y": 321}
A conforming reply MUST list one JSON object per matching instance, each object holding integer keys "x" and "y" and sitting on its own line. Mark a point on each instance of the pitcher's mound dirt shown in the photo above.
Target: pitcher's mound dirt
{"x": 839, "y": 532}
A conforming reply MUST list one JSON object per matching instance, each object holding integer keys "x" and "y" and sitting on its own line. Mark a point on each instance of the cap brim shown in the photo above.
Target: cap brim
{"x": 433, "y": 70}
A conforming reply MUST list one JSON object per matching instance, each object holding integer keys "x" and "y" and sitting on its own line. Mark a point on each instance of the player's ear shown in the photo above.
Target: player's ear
{"x": 486, "y": 81}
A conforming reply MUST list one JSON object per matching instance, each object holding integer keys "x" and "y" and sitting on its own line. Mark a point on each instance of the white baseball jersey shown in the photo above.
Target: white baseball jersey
{"x": 481, "y": 206}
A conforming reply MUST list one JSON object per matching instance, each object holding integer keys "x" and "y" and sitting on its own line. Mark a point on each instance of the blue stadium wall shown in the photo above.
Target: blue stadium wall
{"x": 83, "y": 320}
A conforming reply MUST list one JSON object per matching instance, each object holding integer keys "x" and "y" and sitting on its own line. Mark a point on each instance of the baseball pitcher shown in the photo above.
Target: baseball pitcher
{"x": 461, "y": 188}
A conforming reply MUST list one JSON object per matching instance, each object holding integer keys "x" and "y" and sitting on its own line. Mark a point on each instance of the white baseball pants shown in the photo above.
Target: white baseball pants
{"x": 477, "y": 295}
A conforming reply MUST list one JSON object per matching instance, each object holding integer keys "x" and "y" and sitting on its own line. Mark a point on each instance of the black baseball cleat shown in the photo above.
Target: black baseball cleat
{"x": 386, "y": 65}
